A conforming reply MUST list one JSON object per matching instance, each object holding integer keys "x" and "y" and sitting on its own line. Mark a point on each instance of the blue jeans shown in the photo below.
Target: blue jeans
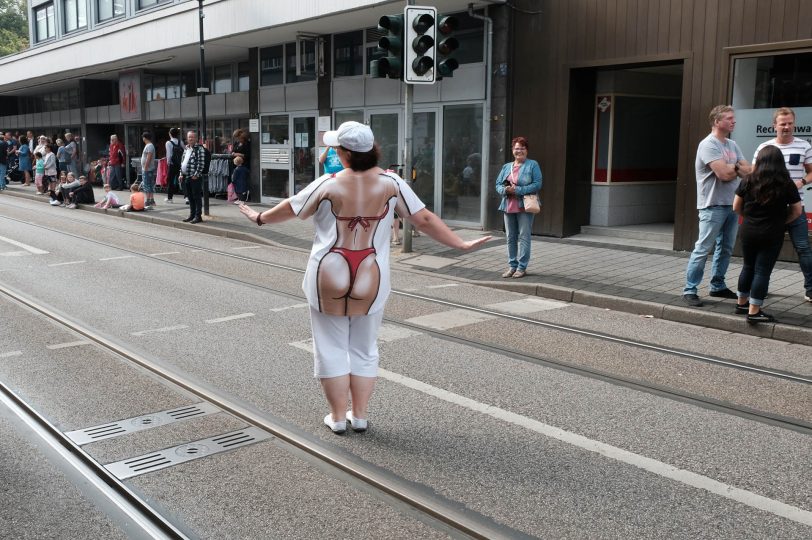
{"x": 518, "y": 227}
{"x": 759, "y": 261}
{"x": 799, "y": 234}
{"x": 717, "y": 227}
{"x": 3, "y": 172}
{"x": 148, "y": 183}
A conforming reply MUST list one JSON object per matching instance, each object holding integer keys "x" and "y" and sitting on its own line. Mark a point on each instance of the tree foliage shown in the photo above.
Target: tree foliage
{"x": 13, "y": 26}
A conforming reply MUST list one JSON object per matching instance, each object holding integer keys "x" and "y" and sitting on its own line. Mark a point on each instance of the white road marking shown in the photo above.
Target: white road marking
{"x": 10, "y": 354}
{"x": 306, "y": 345}
{"x": 230, "y": 318}
{"x": 164, "y": 253}
{"x": 29, "y": 249}
{"x": 118, "y": 258}
{"x": 450, "y": 319}
{"x": 67, "y": 263}
{"x": 391, "y": 332}
{"x": 294, "y": 306}
{"x": 156, "y": 330}
{"x": 66, "y": 345}
{"x": 444, "y": 285}
{"x": 247, "y": 247}
{"x": 654, "y": 466}
{"x": 526, "y": 305}
{"x": 14, "y": 253}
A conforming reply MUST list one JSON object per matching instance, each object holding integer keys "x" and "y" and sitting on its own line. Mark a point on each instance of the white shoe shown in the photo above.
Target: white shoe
{"x": 170, "y": 201}
{"x": 358, "y": 424}
{"x": 337, "y": 427}
{"x": 808, "y": 297}
{"x": 54, "y": 202}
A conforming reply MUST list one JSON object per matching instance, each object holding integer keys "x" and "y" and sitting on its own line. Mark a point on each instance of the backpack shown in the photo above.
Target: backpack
{"x": 176, "y": 158}
{"x": 206, "y": 160}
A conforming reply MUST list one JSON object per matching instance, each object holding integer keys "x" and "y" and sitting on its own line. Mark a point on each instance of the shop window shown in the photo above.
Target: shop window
{"x": 274, "y": 129}
{"x": 75, "y": 14}
{"x": 142, "y": 4}
{"x": 462, "y": 162}
{"x": 348, "y": 54}
{"x": 109, "y": 9}
{"x": 348, "y": 116}
{"x": 45, "y": 22}
{"x": 173, "y": 87}
{"x": 221, "y": 79}
{"x": 243, "y": 77}
{"x": 188, "y": 84}
{"x": 307, "y": 59}
{"x": 270, "y": 66}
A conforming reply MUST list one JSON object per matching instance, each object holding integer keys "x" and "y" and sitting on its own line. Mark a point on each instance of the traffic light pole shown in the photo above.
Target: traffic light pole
{"x": 204, "y": 91}
{"x": 407, "y": 159}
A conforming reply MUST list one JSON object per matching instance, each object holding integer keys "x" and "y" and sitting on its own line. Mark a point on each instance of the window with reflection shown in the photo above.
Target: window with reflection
{"x": 270, "y": 66}
{"x": 348, "y": 54}
{"x": 75, "y": 13}
{"x": 355, "y": 115}
{"x": 109, "y": 9}
{"x": 462, "y": 162}
{"x": 45, "y": 22}
{"x": 243, "y": 76}
{"x": 274, "y": 129}
{"x": 373, "y": 35}
{"x": 307, "y": 58}
{"x": 221, "y": 79}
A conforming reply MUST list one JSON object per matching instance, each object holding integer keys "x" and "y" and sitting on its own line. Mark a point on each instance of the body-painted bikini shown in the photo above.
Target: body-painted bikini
{"x": 355, "y": 257}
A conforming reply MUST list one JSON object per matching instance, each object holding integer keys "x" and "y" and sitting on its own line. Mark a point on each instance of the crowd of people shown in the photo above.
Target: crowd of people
{"x": 23, "y": 157}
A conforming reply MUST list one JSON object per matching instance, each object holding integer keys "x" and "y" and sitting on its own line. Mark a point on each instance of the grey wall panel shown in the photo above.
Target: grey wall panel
{"x": 75, "y": 117}
{"x": 383, "y": 92}
{"x": 468, "y": 82}
{"x": 237, "y": 103}
{"x": 155, "y": 110}
{"x": 114, "y": 114}
{"x": 272, "y": 99}
{"x": 104, "y": 115}
{"x": 64, "y": 118}
{"x": 302, "y": 97}
{"x": 36, "y": 119}
{"x": 28, "y": 120}
{"x": 91, "y": 115}
{"x": 172, "y": 109}
{"x": 348, "y": 93}
{"x": 427, "y": 93}
{"x": 189, "y": 108}
{"x": 216, "y": 105}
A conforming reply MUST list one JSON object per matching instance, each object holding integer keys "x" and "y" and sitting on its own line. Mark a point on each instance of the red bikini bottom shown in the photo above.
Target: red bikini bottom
{"x": 354, "y": 257}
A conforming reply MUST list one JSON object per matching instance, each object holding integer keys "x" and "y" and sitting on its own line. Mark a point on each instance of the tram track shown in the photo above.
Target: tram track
{"x": 646, "y": 386}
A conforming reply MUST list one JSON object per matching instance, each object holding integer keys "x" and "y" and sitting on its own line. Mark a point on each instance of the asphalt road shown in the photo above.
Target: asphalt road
{"x": 466, "y": 409}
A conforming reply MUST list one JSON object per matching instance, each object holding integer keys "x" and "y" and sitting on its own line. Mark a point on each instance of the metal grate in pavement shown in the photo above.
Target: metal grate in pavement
{"x": 162, "y": 459}
{"x": 140, "y": 423}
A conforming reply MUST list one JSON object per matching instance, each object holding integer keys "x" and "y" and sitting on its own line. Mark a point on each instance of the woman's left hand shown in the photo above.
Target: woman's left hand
{"x": 247, "y": 212}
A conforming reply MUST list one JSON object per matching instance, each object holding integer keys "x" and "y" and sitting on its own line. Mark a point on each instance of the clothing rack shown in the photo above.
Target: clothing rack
{"x": 219, "y": 173}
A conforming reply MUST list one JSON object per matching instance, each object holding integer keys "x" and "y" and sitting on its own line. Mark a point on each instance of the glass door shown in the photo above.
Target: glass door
{"x": 275, "y": 153}
{"x": 303, "y": 170}
{"x": 424, "y": 157}
{"x": 385, "y": 124}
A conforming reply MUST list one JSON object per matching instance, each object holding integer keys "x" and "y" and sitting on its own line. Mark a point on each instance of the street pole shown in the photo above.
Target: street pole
{"x": 202, "y": 92}
{"x": 407, "y": 150}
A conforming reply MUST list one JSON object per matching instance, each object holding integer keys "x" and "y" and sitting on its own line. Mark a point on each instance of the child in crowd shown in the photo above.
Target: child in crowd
{"x": 137, "y": 199}
{"x": 60, "y": 191}
{"x": 240, "y": 180}
{"x": 39, "y": 172}
{"x": 110, "y": 199}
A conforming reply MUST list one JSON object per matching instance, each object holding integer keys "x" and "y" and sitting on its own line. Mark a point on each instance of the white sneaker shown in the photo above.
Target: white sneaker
{"x": 337, "y": 427}
{"x": 72, "y": 206}
{"x": 358, "y": 424}
{"x": 54, "y": 202}
{"x": 808, "y": 297}
{"x": 170, "y": 201}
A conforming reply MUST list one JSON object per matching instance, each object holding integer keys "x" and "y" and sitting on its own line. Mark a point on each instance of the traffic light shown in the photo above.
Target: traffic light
{"x": 390, "y": 65}
{"x": 420, "y": 38}
{"x": 446, "y": 64}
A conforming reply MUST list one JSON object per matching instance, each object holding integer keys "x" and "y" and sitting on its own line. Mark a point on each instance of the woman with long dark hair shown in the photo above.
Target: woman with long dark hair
{"x": 768, "y": 200}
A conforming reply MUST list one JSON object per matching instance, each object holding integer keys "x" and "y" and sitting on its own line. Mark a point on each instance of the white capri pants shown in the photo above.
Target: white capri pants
{"x": 343, "y": 345}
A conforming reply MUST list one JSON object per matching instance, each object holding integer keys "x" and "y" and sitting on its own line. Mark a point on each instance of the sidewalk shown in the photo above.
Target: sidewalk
{"x": 638, "y": 280}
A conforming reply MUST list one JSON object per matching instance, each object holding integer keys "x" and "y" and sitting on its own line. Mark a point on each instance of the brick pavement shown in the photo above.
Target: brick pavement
{"x": 628, "y": 278}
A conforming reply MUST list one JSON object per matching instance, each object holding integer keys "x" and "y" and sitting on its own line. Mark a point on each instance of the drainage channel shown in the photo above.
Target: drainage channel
{"x": 122, "y": 501}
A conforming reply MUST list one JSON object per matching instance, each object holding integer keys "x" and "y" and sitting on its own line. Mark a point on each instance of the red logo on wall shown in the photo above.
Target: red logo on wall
{"x": 129, "y": 91}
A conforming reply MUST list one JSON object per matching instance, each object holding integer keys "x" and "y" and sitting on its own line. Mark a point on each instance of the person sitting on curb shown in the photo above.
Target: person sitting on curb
{"x": 60, "y": 191}
{"x": 110, "y": 199}
{"x": 137, "y": 200}
{"x": 82, "y": 194}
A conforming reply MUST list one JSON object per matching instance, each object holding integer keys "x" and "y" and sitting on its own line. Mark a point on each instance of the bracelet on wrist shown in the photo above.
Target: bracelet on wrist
{"x": 259, "y": 219}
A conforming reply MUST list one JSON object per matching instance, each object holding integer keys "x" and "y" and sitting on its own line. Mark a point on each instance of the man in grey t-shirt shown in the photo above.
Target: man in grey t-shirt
{"x": 719, "y": 163}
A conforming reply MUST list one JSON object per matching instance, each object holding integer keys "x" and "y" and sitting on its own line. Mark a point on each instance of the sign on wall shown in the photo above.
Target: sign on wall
{"x": 129, "y": 96}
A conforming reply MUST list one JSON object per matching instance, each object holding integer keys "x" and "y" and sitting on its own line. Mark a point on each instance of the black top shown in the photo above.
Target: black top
{"x": 767, "y": 220}
{"x": 4, "y": 147}
{"x": 245, "y": 150}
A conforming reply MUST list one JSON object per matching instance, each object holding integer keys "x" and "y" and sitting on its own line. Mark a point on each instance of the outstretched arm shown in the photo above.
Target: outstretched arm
{"x": 279, "y": 213}
{"x": 427, "y": 222}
